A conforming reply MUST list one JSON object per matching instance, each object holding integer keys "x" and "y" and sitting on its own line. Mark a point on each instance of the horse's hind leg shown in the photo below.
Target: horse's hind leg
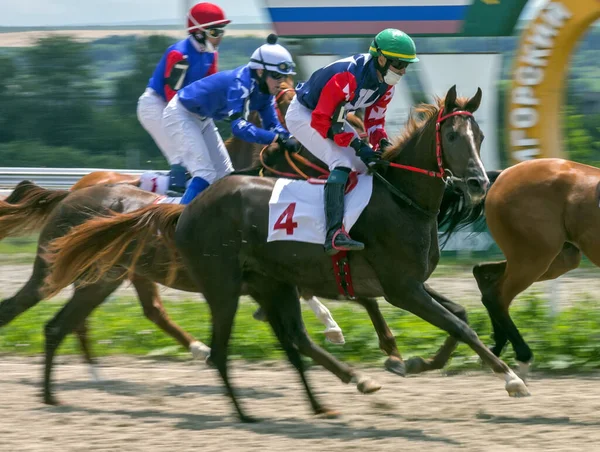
{"x": 387, "y": 341}
{"x": 333, "y": 332}
{"x": 417, "y": 365}
{"x": 27, "y": 297}
{"x": 72, "y": 315}
{"x": 155, "y": 312}
{"x": 282, "y": 307}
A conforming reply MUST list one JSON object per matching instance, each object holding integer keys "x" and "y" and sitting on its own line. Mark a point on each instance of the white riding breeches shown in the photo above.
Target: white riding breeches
{"x": 197, "y": 142}
{"x": 150, "y": 112}
{"x": 298, "y": 119}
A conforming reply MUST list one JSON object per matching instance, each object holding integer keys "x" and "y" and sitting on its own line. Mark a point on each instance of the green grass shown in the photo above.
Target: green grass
{"x": 569, "y": 342}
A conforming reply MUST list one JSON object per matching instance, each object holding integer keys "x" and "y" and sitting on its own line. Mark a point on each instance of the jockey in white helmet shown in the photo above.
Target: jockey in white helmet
{"x": 188, "y": 118}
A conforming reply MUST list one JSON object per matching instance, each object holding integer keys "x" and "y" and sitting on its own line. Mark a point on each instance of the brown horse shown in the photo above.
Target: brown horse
{"x": 398, "y": 227}
{"x": 543, "y": 214}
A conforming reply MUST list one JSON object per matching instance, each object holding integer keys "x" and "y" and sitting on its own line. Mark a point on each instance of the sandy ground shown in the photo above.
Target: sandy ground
{"x": 144, "y": 405}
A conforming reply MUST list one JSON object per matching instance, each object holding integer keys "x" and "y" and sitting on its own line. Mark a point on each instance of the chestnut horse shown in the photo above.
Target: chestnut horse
{"x": 398, "y": 227}
{"x": 543, "y": 214}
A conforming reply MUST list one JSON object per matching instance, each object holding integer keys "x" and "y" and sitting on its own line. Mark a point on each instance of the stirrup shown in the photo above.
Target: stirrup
{"x": 349, "y": 244}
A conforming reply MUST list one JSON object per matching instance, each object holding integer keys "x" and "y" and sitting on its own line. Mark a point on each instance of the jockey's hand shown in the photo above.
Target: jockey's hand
{"x": 384, "y": 144}
{"x": 365, "y": 152}
{"x": 289, "y": 144}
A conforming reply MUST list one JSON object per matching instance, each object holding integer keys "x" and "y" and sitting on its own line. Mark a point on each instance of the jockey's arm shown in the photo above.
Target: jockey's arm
{"x": 238, "y": 106}
{"x": 176, "y": 67}
{"x": 269, "y": 118}
{"x": 375, "y": 118}
{"x": 214, "y": 67}
{"x": 336, "y": 92}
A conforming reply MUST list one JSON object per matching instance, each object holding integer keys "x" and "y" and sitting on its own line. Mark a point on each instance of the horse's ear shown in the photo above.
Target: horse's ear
{"x": 450, "y": 100}
{"x": 474, "y": 102}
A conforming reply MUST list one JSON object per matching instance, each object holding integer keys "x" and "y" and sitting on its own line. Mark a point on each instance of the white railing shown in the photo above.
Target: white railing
{"x": 50, "y": 177}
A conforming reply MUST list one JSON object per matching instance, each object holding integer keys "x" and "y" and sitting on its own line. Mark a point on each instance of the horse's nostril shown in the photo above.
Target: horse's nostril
{"x": 476, "y": 184}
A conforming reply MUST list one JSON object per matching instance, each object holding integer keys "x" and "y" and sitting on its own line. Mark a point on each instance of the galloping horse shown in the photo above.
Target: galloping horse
{"x": 398, "y": 227}
{"x": 543, "y": 214}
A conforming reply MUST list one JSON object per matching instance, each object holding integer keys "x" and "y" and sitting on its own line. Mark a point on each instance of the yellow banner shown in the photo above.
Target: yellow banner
{"x": 541, "y": 65}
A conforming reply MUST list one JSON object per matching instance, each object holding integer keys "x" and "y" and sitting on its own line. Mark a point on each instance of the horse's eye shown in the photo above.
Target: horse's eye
{"x": 452, "y": 136}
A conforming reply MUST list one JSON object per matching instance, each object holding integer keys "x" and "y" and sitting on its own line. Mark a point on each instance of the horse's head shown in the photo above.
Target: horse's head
{"x": 283, "y": 99}
{"x": 458, "y": 142}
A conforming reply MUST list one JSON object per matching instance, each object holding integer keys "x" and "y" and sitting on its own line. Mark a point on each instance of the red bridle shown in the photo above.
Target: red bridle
{"x": 438, "y": 146}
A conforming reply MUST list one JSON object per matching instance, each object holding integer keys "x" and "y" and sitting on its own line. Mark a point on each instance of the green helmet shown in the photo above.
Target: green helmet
{"x": 394, "y": 45}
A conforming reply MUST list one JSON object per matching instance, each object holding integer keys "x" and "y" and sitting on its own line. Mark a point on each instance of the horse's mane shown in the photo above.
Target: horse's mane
{"x": 417, "y": 120}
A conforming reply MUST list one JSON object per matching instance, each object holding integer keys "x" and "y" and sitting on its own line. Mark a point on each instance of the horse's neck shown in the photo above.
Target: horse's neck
{"x": 242, "y": 153}
{"x": 419, "y": 152}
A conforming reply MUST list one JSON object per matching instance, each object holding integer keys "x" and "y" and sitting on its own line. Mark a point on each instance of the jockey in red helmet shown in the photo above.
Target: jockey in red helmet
{"x": 184, "y": 62}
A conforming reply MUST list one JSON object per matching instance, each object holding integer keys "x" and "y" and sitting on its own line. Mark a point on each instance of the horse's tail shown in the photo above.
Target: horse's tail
{"x": 26, "y": 209}
{"x": 88, "y": 251}
{"x": 456, "y": 215}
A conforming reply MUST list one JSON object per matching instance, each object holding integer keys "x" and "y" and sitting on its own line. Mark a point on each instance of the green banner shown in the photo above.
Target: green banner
{"x": 492, "y": 17}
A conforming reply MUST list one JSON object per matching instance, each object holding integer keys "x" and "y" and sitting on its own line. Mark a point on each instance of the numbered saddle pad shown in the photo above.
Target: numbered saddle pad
{"x": 297, "y": 209}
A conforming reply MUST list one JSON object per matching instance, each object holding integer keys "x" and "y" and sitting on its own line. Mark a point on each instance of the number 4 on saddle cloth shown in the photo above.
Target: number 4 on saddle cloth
{"x": 297, "y": 213}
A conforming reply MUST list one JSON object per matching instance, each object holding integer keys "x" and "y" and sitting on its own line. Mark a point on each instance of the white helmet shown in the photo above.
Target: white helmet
{"x": 273, "y": 57}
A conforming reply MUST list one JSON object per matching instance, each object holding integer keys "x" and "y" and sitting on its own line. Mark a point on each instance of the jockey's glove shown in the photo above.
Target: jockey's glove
{"x": 365, "y": 152}
{"x": 289, "y": 144}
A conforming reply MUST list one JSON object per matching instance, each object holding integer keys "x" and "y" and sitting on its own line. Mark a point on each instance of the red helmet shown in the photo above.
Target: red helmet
{"x": 205, "y": 15}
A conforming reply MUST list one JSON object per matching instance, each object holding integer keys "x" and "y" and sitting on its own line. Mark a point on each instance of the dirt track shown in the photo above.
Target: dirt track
{"x": 151, "y": 406}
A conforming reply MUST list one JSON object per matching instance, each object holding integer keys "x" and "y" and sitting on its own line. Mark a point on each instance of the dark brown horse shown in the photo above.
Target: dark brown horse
{"x": 398, "y": 227}
{"x": 543, "y": 214}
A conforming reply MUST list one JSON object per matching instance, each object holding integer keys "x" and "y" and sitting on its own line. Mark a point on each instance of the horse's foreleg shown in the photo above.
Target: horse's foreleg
{"x": 412, "y": 296}
{"x": 82, "y": 334}
{"x": 417, "y": 365}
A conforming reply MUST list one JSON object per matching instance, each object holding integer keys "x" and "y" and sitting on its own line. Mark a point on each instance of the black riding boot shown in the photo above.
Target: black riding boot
{"x": 337, "y": 239}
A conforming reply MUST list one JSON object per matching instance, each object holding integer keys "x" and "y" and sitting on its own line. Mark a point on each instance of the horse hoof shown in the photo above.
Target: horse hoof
{"x": 199, "y": 350}
{"x": 209, "y": 362}
{"x": 396, "y": 366}
{"x": 416, "y": 365}
{"x": 249, "y": 419}
{"x": 516, "y": 387}
{"x": 260, "y": 315}
{"x": 367, "y": 385}
{"x": 94, "y": 374}
{"x": 328, "y": 414}
{"x": 335, "y": 336}
{"x": 51, "y": 400}
{"x": 523, "y": 371}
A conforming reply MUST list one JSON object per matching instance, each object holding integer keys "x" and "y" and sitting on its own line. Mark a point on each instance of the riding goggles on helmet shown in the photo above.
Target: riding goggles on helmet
{"x": 215, "y": 32}
{"x": 285, "y": 67}
{"x": 399, "y": 64}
